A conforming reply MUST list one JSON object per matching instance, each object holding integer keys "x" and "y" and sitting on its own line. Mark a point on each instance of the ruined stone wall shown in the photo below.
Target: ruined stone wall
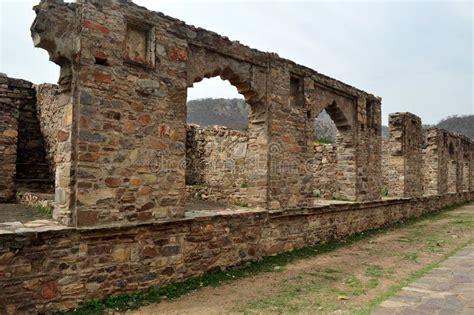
{"x": 325, "y": 170}
{"x": 447, "y": 162}
{"x": 369, "y": 152}
{"x": 50, "y": 114}
{"x": 467, "y": 149}
{"x": 431, "y": 160}
{"x": 403, "y": 161}
{"x": 33, "y": 172}
{"x": 56, "y": 269}
{"x": 24, "y": 165}
{"x": 129, "y": 106}
{"x": 215, "y": 164}
{"x": 453, "y": 164}
{"x": 386, "y": 167}
{"x": 10, "y": 95}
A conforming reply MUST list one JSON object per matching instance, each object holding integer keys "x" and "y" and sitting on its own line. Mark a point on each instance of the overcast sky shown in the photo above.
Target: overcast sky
{"x": 416, "y": 55}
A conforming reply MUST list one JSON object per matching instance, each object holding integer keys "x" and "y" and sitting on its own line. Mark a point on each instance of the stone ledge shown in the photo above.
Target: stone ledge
{"x": 45, "y": 226}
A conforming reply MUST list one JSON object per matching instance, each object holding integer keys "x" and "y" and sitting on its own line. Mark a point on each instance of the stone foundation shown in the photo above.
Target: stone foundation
{"x": 56, "y": 269}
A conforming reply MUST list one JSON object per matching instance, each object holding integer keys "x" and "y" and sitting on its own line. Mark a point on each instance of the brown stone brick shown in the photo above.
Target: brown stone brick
{"x": 62, "y": 136}
{"x": 102, "y": 77}
{"x": 96, "y": 27}
{"x": 144, "y": 119}
{"x": 113, "y": 181}
{"x": 178, "y": 54}
{"x": 49, "y": 290}
{"x": 86, "y": 218}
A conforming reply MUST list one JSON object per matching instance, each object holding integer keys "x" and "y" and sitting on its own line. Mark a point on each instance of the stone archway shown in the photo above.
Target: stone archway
{"x": 338, "y": 175}
{"x": 249, "y": 82}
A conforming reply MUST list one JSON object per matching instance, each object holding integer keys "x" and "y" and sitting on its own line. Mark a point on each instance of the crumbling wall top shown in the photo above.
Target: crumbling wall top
{"x": 61, "y": 45}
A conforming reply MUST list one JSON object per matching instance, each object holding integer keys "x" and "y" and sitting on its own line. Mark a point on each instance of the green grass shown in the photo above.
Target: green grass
{"x": 43, "y": 209}
{"x": 137, "y": 299}
{"x": 374, "y": 271}
{"x": 355, "y": 284}
{"x": 323, "y": 140}
{"x": 384, "y": 192}
{"x": 410, "y": 257}
{"x": 327, "y": 274}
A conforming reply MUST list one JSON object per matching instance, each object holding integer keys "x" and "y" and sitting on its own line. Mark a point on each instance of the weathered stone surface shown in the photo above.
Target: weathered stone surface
{"x": 23, "y": 162}
{"x": 130, "y": 115}
{"x": 326, "y": 169}
{"x": 216, "y": 164}
{"x": 116, "y": 129}
{"x": 402, "y": 157}
{"x": 448, "y": 162}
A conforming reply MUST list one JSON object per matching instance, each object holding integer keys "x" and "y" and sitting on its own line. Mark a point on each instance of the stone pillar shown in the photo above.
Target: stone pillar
{"x": 403, "y": 165}
{"x": 454, "y": 163}
{"x": 465, "y": 163}
{"x": 369, "y": 148}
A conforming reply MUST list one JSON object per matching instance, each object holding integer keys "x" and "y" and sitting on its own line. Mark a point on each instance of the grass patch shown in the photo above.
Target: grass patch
{"x": 356, "y": 286}
{"x": 137, "y": 299}
{"x": 43, "y": 209}
{"x": 324, "y": 140}
{"x": 410, "y": 257}
{"x": 374, "y": 271}
{"x": 327, "y": 274}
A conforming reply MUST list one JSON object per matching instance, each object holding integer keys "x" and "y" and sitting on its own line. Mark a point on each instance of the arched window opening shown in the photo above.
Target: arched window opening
{"x": 216, "y": 146}
{"x": 325, "y": 156}
{"x": 332, "y": 155}
{"x": 325, "y": 130}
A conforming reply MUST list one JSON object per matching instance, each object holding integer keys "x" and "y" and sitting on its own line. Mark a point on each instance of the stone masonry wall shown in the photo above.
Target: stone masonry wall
{"x": 9, "y": 98}
{"x": 33, "y": 171}
{"x": 54, "y": 270}
{"x": 431, "y": 160}
{"x": 22, "y": 159}
{"x": 467, "y": 163}
{"x": 325, "y": 169}
{"x": 447, "y": 159}
{"x": 402, "y": 156}
{"x": 215, "y": 164}
{"x": 128, "y": 97}
{"x": 50, "y": 114}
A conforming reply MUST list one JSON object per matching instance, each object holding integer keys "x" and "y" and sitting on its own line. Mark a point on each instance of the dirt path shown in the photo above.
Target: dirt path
{"x": 347, "y": 280}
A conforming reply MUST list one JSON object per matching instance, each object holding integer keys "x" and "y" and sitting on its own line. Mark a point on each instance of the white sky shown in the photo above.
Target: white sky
{"x": 416, "y": 55}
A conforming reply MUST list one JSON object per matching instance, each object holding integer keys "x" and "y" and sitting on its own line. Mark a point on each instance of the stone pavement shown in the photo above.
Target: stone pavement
{"x": 17, "y": 212}
{"x": 448, "y": 289}
{"x": 18, "y": 218}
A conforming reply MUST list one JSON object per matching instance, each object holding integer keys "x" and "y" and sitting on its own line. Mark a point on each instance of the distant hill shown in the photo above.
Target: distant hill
{"x": 233, "y": 113}
{"x": 460, "y": 124}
